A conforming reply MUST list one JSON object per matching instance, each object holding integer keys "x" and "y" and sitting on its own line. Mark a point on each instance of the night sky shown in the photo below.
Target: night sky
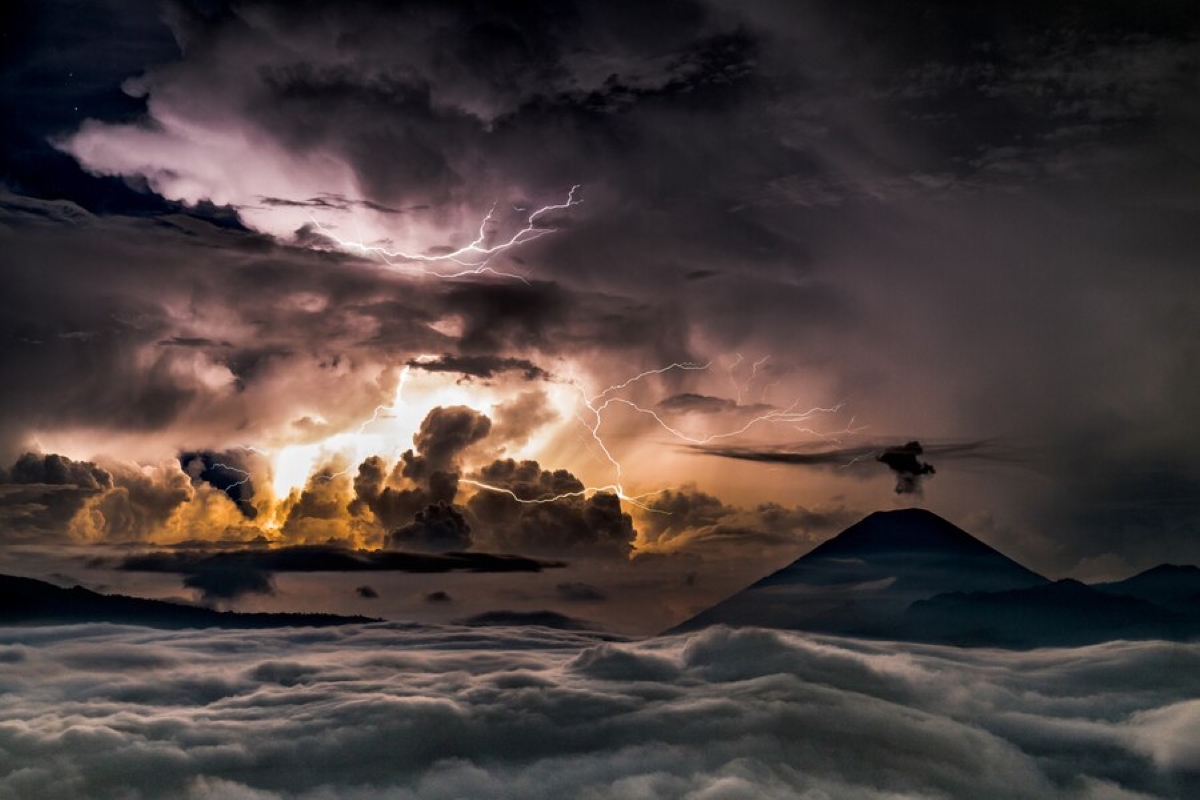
{"x": 399, "y": 274}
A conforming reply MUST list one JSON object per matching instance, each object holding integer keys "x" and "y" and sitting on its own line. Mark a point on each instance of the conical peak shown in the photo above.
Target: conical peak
{"x": 909, "y": 529}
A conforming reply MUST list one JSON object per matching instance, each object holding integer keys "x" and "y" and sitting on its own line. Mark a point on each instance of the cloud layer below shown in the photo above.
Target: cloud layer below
{"x": 441, "y": 711}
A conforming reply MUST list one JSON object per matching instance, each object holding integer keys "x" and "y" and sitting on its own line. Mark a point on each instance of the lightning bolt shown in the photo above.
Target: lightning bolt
{"x": 389, "y": 408}
{"x": 591, "y": 416}
{"x": 597, "y": 404}
{"x": 473, "y": 257}
{"x": 742, "y": 389}
{"x": 832, "y": 436}
{"x": 584, "y": 492}
{"x": 236, "y": 470}
{"x": 737, "y": 389}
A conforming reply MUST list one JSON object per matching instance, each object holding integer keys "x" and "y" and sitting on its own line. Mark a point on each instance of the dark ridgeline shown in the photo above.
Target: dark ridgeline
{"x": 1060, "y": 614}
{"x": 911, "y": 575}
{"x": 1168, "y": 585}
{"x": 25, "y": 601}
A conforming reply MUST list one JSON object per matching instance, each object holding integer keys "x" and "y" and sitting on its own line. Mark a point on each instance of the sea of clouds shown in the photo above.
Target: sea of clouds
{"x": 417, "y": 711}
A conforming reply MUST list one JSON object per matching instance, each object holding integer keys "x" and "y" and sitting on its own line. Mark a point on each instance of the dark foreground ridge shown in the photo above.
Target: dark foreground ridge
{"x": 25, "y": 601}
{"x": 911, "y": 575}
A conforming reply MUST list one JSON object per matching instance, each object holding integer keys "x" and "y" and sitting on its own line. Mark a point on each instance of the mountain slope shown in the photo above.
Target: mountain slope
{"x": 1060, "y": 614}
{"x": 1172, "y": 586}
{"x": 861, "y": 581}
{"x": 26, "y": 601}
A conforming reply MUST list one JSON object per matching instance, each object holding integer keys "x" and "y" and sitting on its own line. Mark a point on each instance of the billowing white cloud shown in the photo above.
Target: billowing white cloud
{"x": 436, "y": 712}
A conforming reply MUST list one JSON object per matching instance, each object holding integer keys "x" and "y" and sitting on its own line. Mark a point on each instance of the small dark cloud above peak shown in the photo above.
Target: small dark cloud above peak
{"x": 903, "y": 460}
{"x": 366, "y": 592}
{"x": 908, "y": 468}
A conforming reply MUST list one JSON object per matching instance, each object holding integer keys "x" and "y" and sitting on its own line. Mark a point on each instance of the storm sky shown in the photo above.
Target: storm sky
{"x": 274, "y": 273}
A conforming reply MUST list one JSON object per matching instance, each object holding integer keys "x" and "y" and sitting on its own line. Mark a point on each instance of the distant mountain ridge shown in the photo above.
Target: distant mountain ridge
{"x": 30, "y": 601}
{"x": 1172, "y": 586}
{"x": 1063, "y": 613}
{"x": 912, "y": 575}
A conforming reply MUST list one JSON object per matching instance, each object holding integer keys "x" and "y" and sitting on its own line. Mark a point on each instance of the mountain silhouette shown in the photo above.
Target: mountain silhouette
{"x": 1172, "y": 586}
{"x": 1060, "y": 614}
{"x": 912, "y": 575}
{"x": 30, "y": 601}
{"x": 861, "y": 581}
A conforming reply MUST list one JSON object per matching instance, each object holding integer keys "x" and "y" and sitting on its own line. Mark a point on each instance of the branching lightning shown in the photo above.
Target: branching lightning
{"x": 733, "y": 381}
{"x": 473, "y": 257}
{"x": 237, "y": 470}
{"x": 741, "y": 389}
{"x": 219, "y": 465}
{"x": 600, "y": 402}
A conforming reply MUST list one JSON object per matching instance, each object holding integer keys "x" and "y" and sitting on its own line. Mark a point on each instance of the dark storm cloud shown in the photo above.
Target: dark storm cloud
{"x": 684, "y": 509}
{"x": 444, "y": 434}
{"x": 53, "y": 498}
{"x": 55, "y": 72}
{"x": 227, "y": 471}
{"x": 420, "y": 712}
{"x": 517, "y": 419}
{"x": 55, "y": 470}
{"x": 41, "y": 494}
{"x": 521, "y": 315}
{"x": 692, "y": 403}
{"x": 451, "y": 76}
{"x": 324, "y": 558}
{"x": 481, "y": 366}
{"x": 392, "y": 505}
{"x": 414, "y": 503}
{"x": 229, "y": 582}
{"x": 86, "y": 348}
{"x": 337, "y": 201}
{"x": 547, "y": 512}
{"x": 143, "y": 500}
{"x": 903, "y": 460}
{"x": 439, "y": 528}
{"x": 230, "y": 574}
{"x": 113, "y": 374}
{"x": 192, "y": 341}
{"x": 900, "y": 459}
